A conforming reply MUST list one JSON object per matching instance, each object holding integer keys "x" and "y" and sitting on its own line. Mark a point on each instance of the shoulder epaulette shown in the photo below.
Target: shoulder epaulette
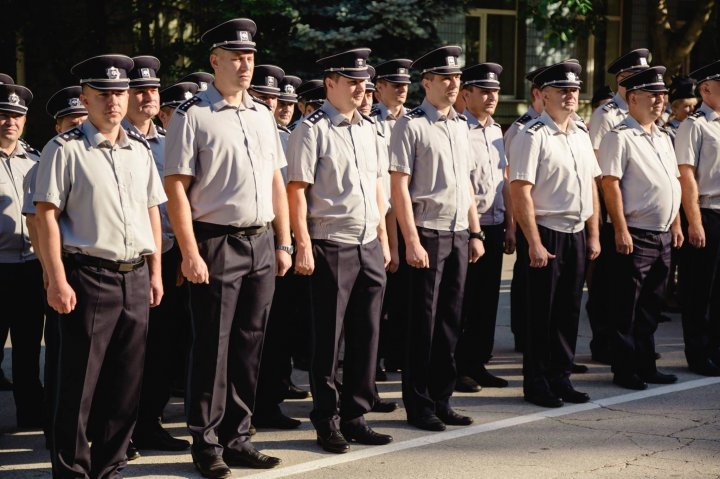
{"x": 138, "y": 137}
{"x": 375, "y": 111}
{"x": 620, "y": 127}
{"x": 498, "y": 125}
{"x": 262, "y": 102}
{"x": 161, "y": 130}
{"x": 523, "y": 119}
{"x": 283, "y": 128}
{"x": 535, "y": 127}
{"x": 416, "y": 112}
{"x": 611, "y": 105}
{"x": 71, "y": 134}
{"x": 697, "y": 114}
{"x": 182, "y": 109}
{"x": 292, "y": 125}
{"x": 581, "y": 124}
{"x": 462, "y": 117}
{"x": 29, "y": 149}
{"x": 367, "y": 117}
{"x": 315, "y": 117}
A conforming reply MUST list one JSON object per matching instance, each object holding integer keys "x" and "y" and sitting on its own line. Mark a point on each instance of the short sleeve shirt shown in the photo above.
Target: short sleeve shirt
{"x": 434, "y": 150}
{"x": 645, "y": 164}
{"x": 384, "y": 123}
{"x": 561, "y": 166}
{"x": 15, "y": 172}
{"x": 284, "y": 135}
{"x": 339, "y": 160}
{"x": 697, "y": 144}
{"x": 518, "y": 125}
{"x": 488, "y": 176}
{"x": 103, "y": 191}
{"x": 231, "y": 152}
{"x": 607, "y": 117}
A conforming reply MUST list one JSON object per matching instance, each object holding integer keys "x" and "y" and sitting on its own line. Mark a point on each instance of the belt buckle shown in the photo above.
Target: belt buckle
{"x": 126, "y": 267}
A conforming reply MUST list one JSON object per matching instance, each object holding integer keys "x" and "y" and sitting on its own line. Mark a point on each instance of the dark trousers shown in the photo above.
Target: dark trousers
{"x": 102, "y": 351}
{"x": 518, "y": 304}
{"x": 21, "y": 284}
{"x": 4, "y": 332}
{"x": 347, "y": 290}
{"x": 287, "y": 325}
{"x": 396, "y": 311}
{"x": 600, "y": 282}
{"x": 167, "y": 333}
{"x": 553, "y": 298}
{"x": 700, "y": 293}
{"x": 482, "y": 294}
{"x": 50, "y": 371}
{"x": 429, "y": 373}
{"x": 229, "y": 316}
{"x": 637, "y": 291}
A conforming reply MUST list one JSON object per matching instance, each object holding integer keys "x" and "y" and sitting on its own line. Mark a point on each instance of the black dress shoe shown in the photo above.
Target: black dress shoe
{"x": 466, "y": 384}
{"x": 391, "y": 367}
{"x": 571, "y": 395}
{"x": 333, "y": 441}
{"x": 659, "y": 378}
{"x": 380, "y": 375}
{"x": 428, "y": 423}
{"x": 544, "y": 399}
{"x": 578, "y": 368}
{"x": 658, "y": 355}
{"x": 212, "y": 467}
{"x": 451, "y": 418}
{"x": 384, "y": 406}
{"x": 275, "y": 421}
{"x": 364, "y": 435}
{"x": 157, "y": 439}
{"x": 294, "y": 392}
{"x": 5, "y": 383}
{"x": 487, "y": 380}
{"x": 705, "y": 368}
{"x": 132, "y": 452}
{"x": 630, "y": 381}
{"x": 250, "y": 457}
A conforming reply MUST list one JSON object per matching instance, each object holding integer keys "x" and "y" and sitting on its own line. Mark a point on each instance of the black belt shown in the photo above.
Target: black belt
{"x": 118, "y": 266}
{"x": 213, "y": 228}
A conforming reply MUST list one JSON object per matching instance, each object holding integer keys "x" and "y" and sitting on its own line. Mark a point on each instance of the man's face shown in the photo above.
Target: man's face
{"x": 11, "y": 126}
{"x": 271, "y": 100}
{"x": 106, "y": 108}
{"x": 284, "y": 112}
{"x": 69, "y": 121}
{"x": 559, "y": 100}
{"x": 345, "y": 93}
{"x": 392, "y": 94}
{"x": 144, "y": 102}
{"x": 710, "y": 91}
{"x": 233, "y": 68}
{"x": 367, "y": 103}
{"x": 646, "y": 106}
{"x": 442, "y": 90}
{"x": 480, "y": 101}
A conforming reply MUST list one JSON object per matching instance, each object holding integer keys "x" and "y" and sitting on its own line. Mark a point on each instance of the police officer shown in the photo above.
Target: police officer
{"x": 683, "y": 101}
{"x": 201, "y": 79}
{"x": 367, "y": 103}
{"x": 172, "y": 97}
{"x": 480, "y": 89}
{"x": 336, "y": 206}
{"x": 20, "y": 271}
{"x": 601, "y": 97}
{"x": 430, "y": 163}
{"x": 286, "y": 104}
{"x": 222, "y": 215}
{"x": 265, "y": 84}
{"x": 97, "y": 196}
{"x": 66, "y": 108}
{"x": 642, "y": 195}
{"x": 602, "y": 121}
{"x": 311, "y": 95}
{"x": 554, "y": 198}
{"x": 698, "y": 158}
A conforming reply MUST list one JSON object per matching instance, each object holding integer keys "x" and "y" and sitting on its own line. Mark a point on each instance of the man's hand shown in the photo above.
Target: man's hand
{"x": 623, "y": 242}
{"x": 476, "y": 249}
{"x": 195, "y": 269}
{"x": 61, "y": 297}
{"x": 416, "y": 256}
{"x": 510, "y": 241}
{"x": 304, "y": 261}
{"x": 283, "y": 261}
{"x": 592, "y": 248}
{"x": 696, "y": 235}
{"x": 539, "y": 256}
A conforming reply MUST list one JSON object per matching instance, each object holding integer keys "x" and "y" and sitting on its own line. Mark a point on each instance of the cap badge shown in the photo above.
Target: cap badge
{"x": 74, "y": 102}
{"x": 270, "y": 81}
{"x": 643, "y": 61}
{"x": 145, "y": 72}
{"x": 14, "y": 99}
{"x": 659, "y": 77}
{"x": 491, "y": 76}
{"x": 203, "y": 86}
{"x": 244, "y": 36}
{"x": 359, "y": 62}
{"x": 451, "y": 61}
{"x": 112, "y": 73}
{"x": 188, "y": 95}
{"x": 402, "y": 71}
{"x": 571, "y": 76}
{"x": 289, "y": 89}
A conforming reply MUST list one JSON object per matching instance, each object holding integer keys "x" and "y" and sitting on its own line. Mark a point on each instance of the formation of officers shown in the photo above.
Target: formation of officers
{"x": 377, "y": 229}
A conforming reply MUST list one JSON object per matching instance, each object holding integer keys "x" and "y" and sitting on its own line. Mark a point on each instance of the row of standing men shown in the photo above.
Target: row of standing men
{"x": 234, "y": 183}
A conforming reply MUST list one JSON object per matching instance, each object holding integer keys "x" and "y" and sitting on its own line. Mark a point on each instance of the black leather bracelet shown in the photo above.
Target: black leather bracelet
{"x": 479, "y": 235}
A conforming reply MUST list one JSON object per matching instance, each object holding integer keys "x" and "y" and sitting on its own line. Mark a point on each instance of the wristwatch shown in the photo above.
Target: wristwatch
{"x": 479, "y": 235}
{"x": 289, "y": 249}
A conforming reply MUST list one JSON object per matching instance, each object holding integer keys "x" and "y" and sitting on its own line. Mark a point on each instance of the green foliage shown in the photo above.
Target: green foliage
{"x": 564, "y": 20}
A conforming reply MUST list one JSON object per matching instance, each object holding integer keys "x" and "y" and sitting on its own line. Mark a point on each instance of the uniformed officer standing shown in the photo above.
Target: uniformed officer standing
{"x": 430, "y": 163}
{"x": 602, "y": 121}
{"x": 66, "y": 108}
{"x": 170, "y": 317}
{"x": 222, "y": 175}
{"x": 554, "y": 198}
{"x": 20, "y": 271}
{"x": 97, "y": 196}
{"x": 683, "y": 102}
{"x": 642, "y": 195}
{"x": 172, "y": 97}
{"x": 286, "y": 103}
{"x": 201, "y": 79}
{"x": 698, "y": 156}
{"x": 336, "y": 207}
{"x": 481, "y": 88}
{"x": 369, "y": 97}
{"x": 265, "y": 84}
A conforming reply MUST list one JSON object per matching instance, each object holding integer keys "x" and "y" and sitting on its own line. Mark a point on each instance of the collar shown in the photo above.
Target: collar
{"x": 337, "y": 118}
{"x": 385, "y": 112}
{"x": 98, "y": 140}
{"x": 18, "y": 151}
{"x": 532, "y": 112}
{"x": 152, "y": 134}
{"x": 218, "y": 102}
{"x": 710, "y": 114}
{"x": 434, "y": 115}
{"x": 620, "y": 102}
{"x": 638, "y": 130}
{"x": 550, "y": 123}
{"x": 475, "y": 123}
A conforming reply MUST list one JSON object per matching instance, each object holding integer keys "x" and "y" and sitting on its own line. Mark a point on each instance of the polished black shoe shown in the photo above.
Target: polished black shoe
{"x": 294, "y": 392}
{"x": 630, "y": 381}
{"x": 487, "y": 380}
{"x": 213, "y": 467}
{"x": 578, "y": 368}
{"x": 705, "y": 368}
{"x": 384, "y": 406}
{"x": 466, "y": 384}
{"x": 452, "y": 418}
{"x": 545, "y": 399}
{"x": 5, "y": 383}
{"x": 364, "y": 435}
{"x": 428, "y": 423}
{"x": 658, "y": 378}
{"x": 157, "y": 439}
{"x": 658, "y": 355}
{"x": 250, "y": 457}
{"x": 275, "y": 421}
{"x": 132, "y": 452}
{"x": 380, "y": 375}
{"x": 333, "y": 441}
{"x": 571, "y": 395}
